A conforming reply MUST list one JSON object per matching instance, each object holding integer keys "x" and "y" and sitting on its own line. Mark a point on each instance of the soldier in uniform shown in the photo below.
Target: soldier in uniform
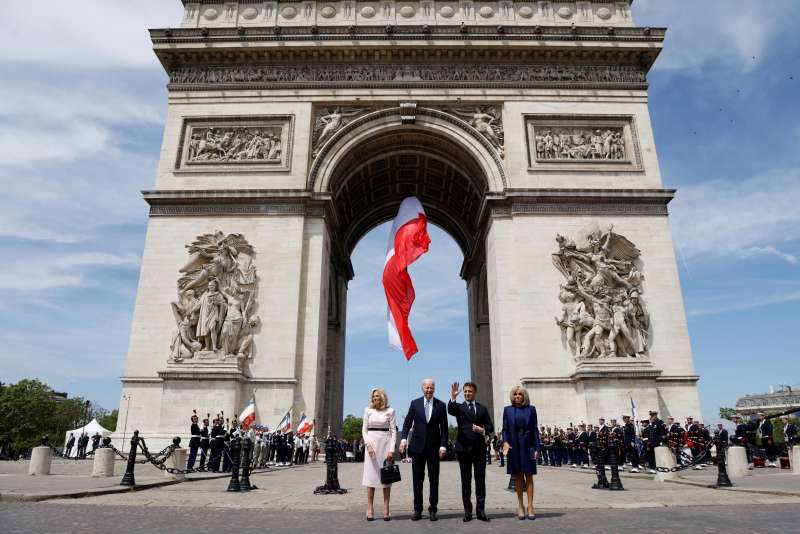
{"x": 592, "y": 442}
{"x": 789, "y": 432}
{"x": 204, "y": 443}
{"x": 194, "y": 440}
{"x": 572, "y": 457}
{"x": 720, "y": 436}
{"x": 629, "y": 435}
{"x": 740, "y": 438}
{"x": 648, "y": 440}
{"x": 601, "y": 454}
{"x": 582, "y": 446}
{"x": 767, "y": 441}
{"x": 558, "y": 446}
{"x": 544, "y": 434}
{"x": 675, "y": 438}
{"x": 694, "y": 434}
{"x": 217, "y": 438}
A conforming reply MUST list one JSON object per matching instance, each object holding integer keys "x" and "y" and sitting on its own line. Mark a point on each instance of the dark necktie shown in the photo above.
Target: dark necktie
{"x": 472, "y": 409}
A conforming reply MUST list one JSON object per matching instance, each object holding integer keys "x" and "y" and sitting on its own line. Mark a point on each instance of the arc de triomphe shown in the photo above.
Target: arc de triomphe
{"x": 293, "y": 128}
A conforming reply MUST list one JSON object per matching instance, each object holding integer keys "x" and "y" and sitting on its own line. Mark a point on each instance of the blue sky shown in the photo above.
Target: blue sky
{"x": 83, "y": 99}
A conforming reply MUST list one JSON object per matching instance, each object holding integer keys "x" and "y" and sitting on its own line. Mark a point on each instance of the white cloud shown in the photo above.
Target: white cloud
{"x": 86, "y": 35}
{"x": 67, "y": 142}
{"x": 733, "y": 303}
{"x": 30, "y": 273}
{"x": 717, "y": 31}
{"x": 755, "y": 216}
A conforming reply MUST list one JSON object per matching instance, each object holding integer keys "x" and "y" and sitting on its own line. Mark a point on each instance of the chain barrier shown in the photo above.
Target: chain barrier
{"x": 688, "y": 461}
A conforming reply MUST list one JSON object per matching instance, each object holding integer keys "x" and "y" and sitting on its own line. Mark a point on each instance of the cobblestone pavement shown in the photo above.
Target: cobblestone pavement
{"x": 291, "y": 490}
{"x": 46, "y": 518}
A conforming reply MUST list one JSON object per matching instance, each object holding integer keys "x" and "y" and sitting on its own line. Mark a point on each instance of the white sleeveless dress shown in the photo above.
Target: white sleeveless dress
{"x": 380, "y": 431}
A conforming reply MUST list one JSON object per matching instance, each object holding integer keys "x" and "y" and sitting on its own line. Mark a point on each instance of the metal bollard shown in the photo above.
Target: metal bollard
{"x": 247, "y": 448}
{"x": 128, "y": 479}
{"x": 236, "y": 447}
{"x": 613, "y": 460}
{"x": 723, "y": 480}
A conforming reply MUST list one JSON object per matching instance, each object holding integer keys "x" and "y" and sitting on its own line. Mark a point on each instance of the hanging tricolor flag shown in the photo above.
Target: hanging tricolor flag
{"x": 408, "y": 240}
{"x": 286, "y": 423}
{"x": 248, "y": 415}
{"x": 304, "y": 425}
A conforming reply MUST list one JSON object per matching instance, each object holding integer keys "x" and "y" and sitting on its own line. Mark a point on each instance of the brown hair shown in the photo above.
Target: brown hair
{"x": 472, "y": 385}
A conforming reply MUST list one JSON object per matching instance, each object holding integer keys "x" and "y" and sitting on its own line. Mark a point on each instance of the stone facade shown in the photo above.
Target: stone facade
{"x": 301, "y": 125}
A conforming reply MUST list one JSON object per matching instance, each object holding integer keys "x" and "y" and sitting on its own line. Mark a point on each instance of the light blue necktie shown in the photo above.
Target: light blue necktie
{"x": 427, "y": 410}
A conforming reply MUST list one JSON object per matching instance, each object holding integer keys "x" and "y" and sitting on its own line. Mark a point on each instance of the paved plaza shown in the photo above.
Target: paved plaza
{"x": 284, "y": 500}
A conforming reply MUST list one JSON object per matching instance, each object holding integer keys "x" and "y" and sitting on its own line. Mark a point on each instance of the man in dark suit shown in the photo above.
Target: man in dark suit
{"x": 427, "y": 417}
{"x": 473, "y": 422}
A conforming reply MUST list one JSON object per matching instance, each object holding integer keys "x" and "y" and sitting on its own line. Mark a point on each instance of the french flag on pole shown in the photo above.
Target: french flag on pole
{"x": 248, "y": 415}
{"x": 286, "y": 423}
{"x": 408, "y": 240}
{"x": 304, "y": 425}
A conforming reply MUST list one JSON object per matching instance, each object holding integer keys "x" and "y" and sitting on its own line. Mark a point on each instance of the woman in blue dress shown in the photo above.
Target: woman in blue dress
{"x": 521, "y": 447}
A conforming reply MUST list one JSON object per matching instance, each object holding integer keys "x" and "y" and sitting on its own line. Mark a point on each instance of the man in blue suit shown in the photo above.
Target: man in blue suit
{"x": 427, "y": 422}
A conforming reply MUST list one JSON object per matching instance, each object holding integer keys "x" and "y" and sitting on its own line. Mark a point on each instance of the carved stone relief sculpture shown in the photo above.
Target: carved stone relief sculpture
{"x": 580, "y": 143}
{"x": 215, "y": 310}
{"x": 328, "y": 121}
{"x": 488, "y": 120}
{"x": 231, "y": 143}
{"x": 603, "y": 314}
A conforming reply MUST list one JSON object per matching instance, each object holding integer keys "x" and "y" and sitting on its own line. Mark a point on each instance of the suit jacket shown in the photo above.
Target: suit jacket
{"x": 427, "y": 435}
{"x": 466, "y": 440}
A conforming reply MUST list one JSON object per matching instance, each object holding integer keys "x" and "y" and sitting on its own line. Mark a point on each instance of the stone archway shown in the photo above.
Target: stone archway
{"x": 370, "y": 167}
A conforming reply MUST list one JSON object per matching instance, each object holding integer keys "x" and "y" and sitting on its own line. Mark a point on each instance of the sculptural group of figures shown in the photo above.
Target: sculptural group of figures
{"x": 216, "y": 300}
{"x": 602, "y": 314}
{"x": 408, "y": 73}
{"x": 580, "y": 144}
{"x": 235, "y": 144}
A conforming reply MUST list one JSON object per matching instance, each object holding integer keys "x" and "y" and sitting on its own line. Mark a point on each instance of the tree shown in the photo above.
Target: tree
{"x": 452, "y": 432}
{"x": 109, "y": 420}
{"x": 726, "y": 413}
{"x": 351, "y": 427}
{"x": 28, "y": 410}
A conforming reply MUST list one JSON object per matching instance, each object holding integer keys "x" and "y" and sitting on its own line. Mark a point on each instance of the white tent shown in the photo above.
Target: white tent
{"x": 90, "y": 429}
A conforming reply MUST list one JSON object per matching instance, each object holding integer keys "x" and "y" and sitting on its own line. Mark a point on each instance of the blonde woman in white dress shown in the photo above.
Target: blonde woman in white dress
{"x": 379, "y": 431}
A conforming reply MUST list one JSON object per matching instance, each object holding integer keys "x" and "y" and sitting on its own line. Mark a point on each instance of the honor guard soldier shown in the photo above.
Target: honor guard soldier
{"x": 194, "y": 440}
{"x": 572, "y": 447}
{"x": 582, "y": 446}
{"x": 721, "y": 436}
{"x": 649, "y": 448}
{"x": 631, "y": 453}
{"x": 217, "y": 438}
{"x": 767, "y": 441}
{"x": 694, "y": 434}
{"x": 675, "y": 438}
{"x": 740, "y": 438}
{"x": 789, "y": 432}
{"x": 205, "y": 444}
{"x": 600, "y": 454}
{"x": 593, "y": 443}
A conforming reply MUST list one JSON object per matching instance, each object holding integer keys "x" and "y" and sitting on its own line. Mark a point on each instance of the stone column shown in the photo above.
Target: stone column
{"x": 41, "y": 458}
{"x": 665, "y": 458}
{"x": 737, "y": 462}
{"x": 178, "y": 461}
{"x": 794, "y": 459}
{"x": 103, "y": 465}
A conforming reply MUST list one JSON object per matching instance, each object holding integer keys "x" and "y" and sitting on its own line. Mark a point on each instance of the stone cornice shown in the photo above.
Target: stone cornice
{"x": 210, "y": 2}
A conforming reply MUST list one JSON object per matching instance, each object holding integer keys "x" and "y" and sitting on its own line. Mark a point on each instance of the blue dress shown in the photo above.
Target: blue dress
{"x": 521, "y": 432}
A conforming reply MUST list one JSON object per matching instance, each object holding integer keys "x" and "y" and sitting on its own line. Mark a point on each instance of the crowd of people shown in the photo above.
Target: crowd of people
{"x": 82, "y": 442}
{"x": 270, "y": 448}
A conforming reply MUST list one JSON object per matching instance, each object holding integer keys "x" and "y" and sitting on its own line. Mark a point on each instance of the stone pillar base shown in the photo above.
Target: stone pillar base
{"x": 665, "y": 458}
{"x": 178, "y": 461}
{"x": 794, "y": 459}
{"x": 737, "y": 462}
{"x": 41, "y": 458}
{"x": 103, "y": 465}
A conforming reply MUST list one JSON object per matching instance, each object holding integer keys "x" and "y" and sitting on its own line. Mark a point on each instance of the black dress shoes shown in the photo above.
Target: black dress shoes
{"x": 417, "y": 516}
{"x": 467, "y": 518}
{"x": 482, "y": 516}
{"x": 433, "y": 515}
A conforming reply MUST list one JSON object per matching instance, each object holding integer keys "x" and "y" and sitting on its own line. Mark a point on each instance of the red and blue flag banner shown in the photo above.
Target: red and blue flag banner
{"x": 248, "y": 415}
{"x": 408, "y": 240}
{"x": 304, "y": 425}
{"x": 286, "y": 423}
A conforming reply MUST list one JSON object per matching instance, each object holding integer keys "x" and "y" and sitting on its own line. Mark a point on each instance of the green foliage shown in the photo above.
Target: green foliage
{"x": 28, "y": 411}
{"x": 452, "y": 432}
{"x": 351, "y": 427}
{"x": 108, "y": 420}
{"x": 726, "y": 413}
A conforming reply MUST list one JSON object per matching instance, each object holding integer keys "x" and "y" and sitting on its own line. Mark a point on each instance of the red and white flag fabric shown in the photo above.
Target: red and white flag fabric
{"x": 248, "y": 415}
{"x": 408, "y": 240}
{"x": 286, "y": 423}
{"x": 304, "y": 425}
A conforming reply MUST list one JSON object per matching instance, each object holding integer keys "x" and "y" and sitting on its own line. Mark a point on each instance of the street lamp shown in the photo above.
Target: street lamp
{"x": 127, "y": 398}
